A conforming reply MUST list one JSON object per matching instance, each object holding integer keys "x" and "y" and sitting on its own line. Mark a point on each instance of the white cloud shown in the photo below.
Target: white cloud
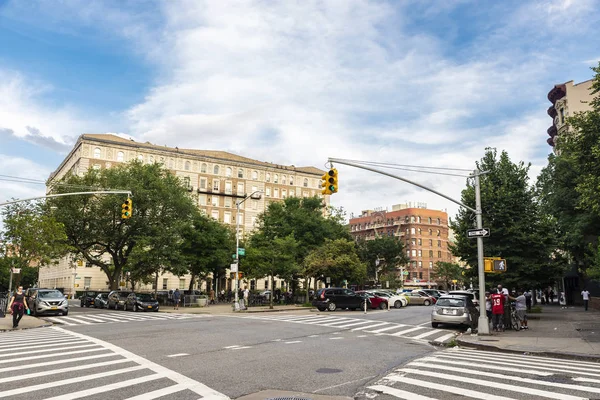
{"x": 21, "y": 168}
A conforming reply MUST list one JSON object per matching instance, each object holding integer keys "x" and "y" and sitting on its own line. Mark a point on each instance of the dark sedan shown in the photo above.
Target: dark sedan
{"x": 333, "y": 298}
{"x": 141, "y": 302}
{"x": 101, "y": 301}
{"x": 116, "y": 299}
{"x": 88, "y": 298}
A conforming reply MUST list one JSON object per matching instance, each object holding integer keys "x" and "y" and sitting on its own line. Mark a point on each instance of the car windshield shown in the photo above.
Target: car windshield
{"x": 451, "y": 302}
{"x": 53, "y": 294}
{"x": 103, "y": 295}
{"x": 144, "y": 297}
{"x": 91, "y": 293}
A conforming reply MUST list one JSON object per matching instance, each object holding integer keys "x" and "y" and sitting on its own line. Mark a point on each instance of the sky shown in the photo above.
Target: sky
{"x": 416, "y": 82}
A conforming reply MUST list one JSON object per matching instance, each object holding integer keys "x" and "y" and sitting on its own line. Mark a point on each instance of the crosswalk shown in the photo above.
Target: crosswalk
{"x": 457, "y": 373}
{"x": 53, "y": 363}
{"x": 414, "y": 332}
{"x": 103, "y": 318}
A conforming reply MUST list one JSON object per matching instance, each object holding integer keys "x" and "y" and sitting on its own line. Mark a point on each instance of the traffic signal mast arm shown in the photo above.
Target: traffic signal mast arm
{"x": 127, "y": 192}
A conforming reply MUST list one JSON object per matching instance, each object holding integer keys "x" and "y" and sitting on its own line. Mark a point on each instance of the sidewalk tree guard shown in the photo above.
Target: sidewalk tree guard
{"x": 483, "y": 327}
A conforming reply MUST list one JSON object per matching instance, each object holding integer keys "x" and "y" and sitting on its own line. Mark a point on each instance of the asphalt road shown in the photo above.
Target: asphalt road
{"x": 237, "y": 355}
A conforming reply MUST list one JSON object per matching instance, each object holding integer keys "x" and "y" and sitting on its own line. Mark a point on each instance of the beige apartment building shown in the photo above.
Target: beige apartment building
{"x": 567, "y": 99}
{"x": 216, "y": 180}
{"x": 423, "y": 231}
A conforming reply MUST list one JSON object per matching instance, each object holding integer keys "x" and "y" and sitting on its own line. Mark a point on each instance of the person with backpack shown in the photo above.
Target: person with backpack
{"x": 17, "y": 306}
{"x": 176, "y": 298}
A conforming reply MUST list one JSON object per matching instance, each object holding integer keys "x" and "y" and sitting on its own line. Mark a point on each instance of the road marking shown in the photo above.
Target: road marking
{"x": 178, "y": 355}
{"x": 241, "y": 347}
{"x": 51, "y": 344}
{"x": 68, "y": 353}
{"x": 423, "y": 335}
{"x": 294, "y": 341}
{"x": 232, "y": 347}
{"x": 401, "y": 333}
{"x": 106, "y": 388}
{"x": 334, "y": 338}
{"x": 20, "y": 353}
{"x": 447, "y": 388}
{"x": 363, "y": 336}
{"x": 445, "y": 337}
{"x": 369, "y": 326}
{"x": 389, "y": 328}
{"x": 353, "y": 324}
{"x": 53, "y": 339}
{"x": 47, "y": 363}
{"x": 345, "y": 383}
{"x": 19, "y": 377}
{"x": 276, "y": 340}
{"x": 60, "y": 321}
{"x": 73, "y": 319}
{"x": 314, "y": 336}
{"x": 401, "y": 394}
{"x": 158, "y": 393}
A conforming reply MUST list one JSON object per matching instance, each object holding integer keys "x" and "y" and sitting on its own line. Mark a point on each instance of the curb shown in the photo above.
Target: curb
{"x": 552, "y": 354}
{"x": 32, "y": 327}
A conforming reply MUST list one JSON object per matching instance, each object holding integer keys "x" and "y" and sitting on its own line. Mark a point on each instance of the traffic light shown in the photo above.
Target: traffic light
{"x": 126, "y": 209}
{"x": 332, "y": 180}
{"x": 325, "y": 184}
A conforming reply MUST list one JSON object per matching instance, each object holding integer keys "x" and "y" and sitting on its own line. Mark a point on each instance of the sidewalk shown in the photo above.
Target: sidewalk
{"x": 27, "y": 322}
{"x": 569, "y": 332}
{"x": 228, "y": 309}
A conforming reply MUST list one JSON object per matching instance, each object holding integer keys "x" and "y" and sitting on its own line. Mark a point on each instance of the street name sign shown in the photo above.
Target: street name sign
{"x": 233, "y": 267}
{"x": 475, "y": 233}
{"x": 16, "y": 270}
{"x": 241, "y": 251}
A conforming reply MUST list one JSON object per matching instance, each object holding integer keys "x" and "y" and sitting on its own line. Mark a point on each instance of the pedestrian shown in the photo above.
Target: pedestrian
{"x": 17, "y": 306}
{"x": 246, "y": 295}
{"x": 586, "y": 298}
{"x": 212, "y": 296}
{"x": 176, "y": 298}
{"x": 488, "y": 306}
{"x": 506, "y": 315}
{"x": 229, "y": 295}
{"x": 222, "y": 296}
{"x": 521, "y": 309}
{"x": 497, "y": 311}
{"x": 528, "y": 296}
{"x": 546, "y": 294}
{"x": 551, "y": 295}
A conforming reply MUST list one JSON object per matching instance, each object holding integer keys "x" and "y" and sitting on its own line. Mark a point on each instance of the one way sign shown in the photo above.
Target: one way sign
{"x": 475, "y": 233}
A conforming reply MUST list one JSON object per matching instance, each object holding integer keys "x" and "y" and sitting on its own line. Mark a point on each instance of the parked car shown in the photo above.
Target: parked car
{"x": 455, "y": 309}
{"x": 88, "y": 298}
{"x": 395, "y": 300}
{"x": 140, "y": 302}
{"x": 101, "y": 300}
{"x": 47, "y": 301}
{"x": 333, "y": 298}
{"x": 116, "y": 299}
{"x": 377, "y": 301}
{"x": 472, "y": 295}
{"x": 419, "y": 297}
{"x": 432, "y": 292}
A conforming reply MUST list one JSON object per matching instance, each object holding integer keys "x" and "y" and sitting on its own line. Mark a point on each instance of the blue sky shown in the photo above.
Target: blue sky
{"x": 292, "y": 82}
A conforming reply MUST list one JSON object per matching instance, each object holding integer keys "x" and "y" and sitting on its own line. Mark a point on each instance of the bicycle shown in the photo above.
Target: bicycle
{"x": 514, "y": 320}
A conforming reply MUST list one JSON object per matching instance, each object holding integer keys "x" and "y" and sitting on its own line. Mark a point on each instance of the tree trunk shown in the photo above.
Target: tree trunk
{"x": 155, "y": 284}
{"x": 192, "y": 280}
{"x": 272, "y": 291}
{"x": 307, "y": 288}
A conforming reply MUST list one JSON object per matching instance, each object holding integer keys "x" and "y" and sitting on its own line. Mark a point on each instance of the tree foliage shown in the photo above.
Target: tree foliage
{"x": 446, "y": 272}
{"x": 95, "y": 230}
{"x": 521, "y": 232}
{"x": 338, "y": 260}
{"x": 389, "y": 250}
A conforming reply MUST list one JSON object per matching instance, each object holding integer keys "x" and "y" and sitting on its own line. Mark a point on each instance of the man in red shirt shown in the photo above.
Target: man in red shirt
{"x": 497, "y": 311}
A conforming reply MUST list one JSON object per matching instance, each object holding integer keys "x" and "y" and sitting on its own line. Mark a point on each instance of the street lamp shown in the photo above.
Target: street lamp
{"x": 256, "y": 195}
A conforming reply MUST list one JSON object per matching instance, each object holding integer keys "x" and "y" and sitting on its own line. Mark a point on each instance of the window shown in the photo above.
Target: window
{"x": 240, "y": 173}
{"x": 228, "y": 202}
{"x": 305, "y": 194}
{"x": 292, "y": 193}
{"x": 216, "y": 170}
{"x": 413, "y": 241}
{"x": 439, "y": 254}
{"x": 268, "y": 179}
{"x": 420, "y": 242}
{"x": 562, "y": 115}
{"x": 253, "y": 221}
{"x": 438, "y": 232}
{"x": 97, "y": 152}
{"x": 420, "y": 264}
{"x": 291, "y": 181}
{"x": 215, "y": 214}
{"x": 151, "y": 160}
{"x": 203, "y": 183}
{"x": 420, "y": 275}
{"x": 420, "y": 253}
{"x": 412, "y": 231}
{"x": 254, "y": 205}
{"x": 227, "y": 217}
{"x": 228, "y": 172}
{"x": 283, "y": 179}
{"x": 439, "y": 221}
{"x": 283, "y": 193}
{"x": 266, "y": 283}
{"x": 414, "y": 253}
{"x": 268, "y": 191}
{"x": 254, "y": 175}
{"x": 203, "y": 168}
{"x": 419, "y": 231}
{"x": 215, "y": 185}
{"x": 240, "y": 188}
{"x": 276, "y": 178}
{"x": 407, "y": 253}
{"x": 120, "y": 156}
{"x": 87, "y": 281}
{"x": 182, "y": 284}
{"x": 202, "y": 200}
{"x": 165, "y": 283}
{"x": 412, "y": 219}
{"x": 186, "y": 181}
{"x": 429, "y": 219}
{"x": 419, "y": 219}
{"x": 430, "y": 264}
{"x": 305, "y": 182}
{"x": 228, "y": 189}
{"x": 276, "y": 193}
{"x": 188, "y": 166}
{"x": 96, "y": 166}
{"x": 215, "y": 201}
{"x": 140, "y": 158}
{"x": 430, "y": 253}
{"x": 430, "y": 242}
{"x": 430, "y": 232}
{"x": 439, "y": 243}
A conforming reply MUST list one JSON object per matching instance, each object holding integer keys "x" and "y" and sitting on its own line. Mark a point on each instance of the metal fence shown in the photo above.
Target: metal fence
{"x": 3, "y": 303}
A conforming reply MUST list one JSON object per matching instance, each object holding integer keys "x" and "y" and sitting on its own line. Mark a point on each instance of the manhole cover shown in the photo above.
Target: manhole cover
{"x": 328, "y": 370}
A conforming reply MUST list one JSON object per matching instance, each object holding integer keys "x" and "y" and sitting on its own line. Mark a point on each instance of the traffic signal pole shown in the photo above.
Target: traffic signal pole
{"x": 483, "y": 328}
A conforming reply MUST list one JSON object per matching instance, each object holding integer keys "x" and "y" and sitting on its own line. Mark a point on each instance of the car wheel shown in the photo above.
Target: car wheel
{"x": 426, "y": 303}
{"x": 65, "y": 313}
{"x": 398, "y": 304}
{"x": 156, "y": 310}
{"x": 382, "y": 306}
{"x": 331, "y": 306}
{"x": 124, "y": 306}
{"x": 321, "y": 309}
{"x": 135, "y": 308}
{"x": 116, "y": 306}
{"x": 434, "y": 324}
{"x": 35, "y": 312}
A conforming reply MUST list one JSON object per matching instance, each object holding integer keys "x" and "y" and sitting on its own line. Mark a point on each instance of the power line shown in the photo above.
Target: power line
{"x": 18, "y": 179}
{"x": 390, "y": 165}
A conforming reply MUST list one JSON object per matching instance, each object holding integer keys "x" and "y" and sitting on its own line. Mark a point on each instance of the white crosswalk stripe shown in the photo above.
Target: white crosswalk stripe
{"x": 464, "y": 373}
{"x": 47, "y": 371}
{"x": 419, "y": 333}
{"x": 123, "y": 316}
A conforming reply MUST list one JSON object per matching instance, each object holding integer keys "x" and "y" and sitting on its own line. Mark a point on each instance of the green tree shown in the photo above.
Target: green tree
{"x": 521, "y": 232}
{"x": 337, "y": 259}
{"x": 382, "y": 255}
{"x": 31, "y": 238}
{"x": 272, "y": 257}
{"x": 93, "y": 224}
{"x": 207, "y": 246}
{"x": 447, "y": 272}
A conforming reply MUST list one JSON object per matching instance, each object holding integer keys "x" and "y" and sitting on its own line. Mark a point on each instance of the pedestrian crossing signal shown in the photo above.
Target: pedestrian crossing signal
{"x": 126, "y": 209}
{"x": 494, "y": 265}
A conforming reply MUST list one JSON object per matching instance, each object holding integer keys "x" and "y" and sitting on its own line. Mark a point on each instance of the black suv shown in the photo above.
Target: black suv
{"x": 333, "y": 298}
{"x": 116, "y": 299}
{"x": 88, "y": 298}
{"x": 141, "y": 302}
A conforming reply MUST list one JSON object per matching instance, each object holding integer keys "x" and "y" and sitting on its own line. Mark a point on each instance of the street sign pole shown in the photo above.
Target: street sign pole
{"x": 483, "y": 327}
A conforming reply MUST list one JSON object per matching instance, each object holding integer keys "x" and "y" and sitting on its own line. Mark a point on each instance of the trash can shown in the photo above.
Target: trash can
{"x": 202, "y": 302}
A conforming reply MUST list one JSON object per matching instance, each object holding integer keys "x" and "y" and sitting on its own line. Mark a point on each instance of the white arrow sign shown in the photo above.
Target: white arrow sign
{"x": 475, "y": 233}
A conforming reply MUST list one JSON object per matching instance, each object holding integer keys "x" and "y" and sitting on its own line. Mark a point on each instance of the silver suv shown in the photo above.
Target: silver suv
{"x": 47, "y": 301}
